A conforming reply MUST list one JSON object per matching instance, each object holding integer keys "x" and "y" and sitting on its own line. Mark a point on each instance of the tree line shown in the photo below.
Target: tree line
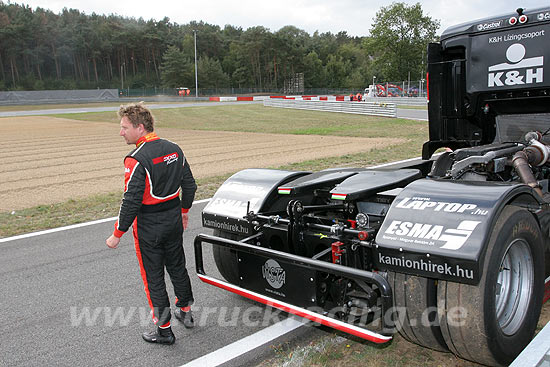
{"x": 42, "y": 50}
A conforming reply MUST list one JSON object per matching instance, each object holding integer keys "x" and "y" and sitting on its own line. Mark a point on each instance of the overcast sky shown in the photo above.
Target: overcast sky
{"x": 353, "y": 16}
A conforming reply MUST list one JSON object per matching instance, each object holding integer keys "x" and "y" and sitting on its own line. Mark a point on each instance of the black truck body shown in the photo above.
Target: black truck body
{"x": 450, "y": 250}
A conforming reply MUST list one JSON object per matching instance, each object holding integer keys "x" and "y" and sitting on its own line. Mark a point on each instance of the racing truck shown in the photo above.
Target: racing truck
{"x": 451, "y": 250}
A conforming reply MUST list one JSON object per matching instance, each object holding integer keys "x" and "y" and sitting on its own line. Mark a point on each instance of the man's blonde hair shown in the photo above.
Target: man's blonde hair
{"x": 137, "y": 113}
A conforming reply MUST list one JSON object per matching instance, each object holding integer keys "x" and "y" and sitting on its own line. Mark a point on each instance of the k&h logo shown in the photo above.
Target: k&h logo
{"x": 518, "y": 71}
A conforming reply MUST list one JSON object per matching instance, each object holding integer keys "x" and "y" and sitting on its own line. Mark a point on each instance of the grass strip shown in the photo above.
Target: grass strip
{"x": 337, "y": 350}
{"x": 259, "y": 119}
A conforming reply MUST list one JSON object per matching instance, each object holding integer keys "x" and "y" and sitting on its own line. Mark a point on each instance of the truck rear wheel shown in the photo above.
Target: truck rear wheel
{"x": 415, "y": 303}
{"x": 226, "y": 258}
{"x": 492, "y": 322}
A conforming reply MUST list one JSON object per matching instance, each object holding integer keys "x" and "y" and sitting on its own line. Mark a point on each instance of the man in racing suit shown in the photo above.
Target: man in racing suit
{"x": 155, "y": 173}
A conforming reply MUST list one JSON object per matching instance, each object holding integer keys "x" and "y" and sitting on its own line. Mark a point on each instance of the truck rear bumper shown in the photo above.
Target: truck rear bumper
{"x": 308, "y": 263}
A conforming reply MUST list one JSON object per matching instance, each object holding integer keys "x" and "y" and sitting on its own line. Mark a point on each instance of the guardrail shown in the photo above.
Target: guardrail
{"x": 378, "y": 108}
{"x": 407, "y": 101}
{"x": 537, "y": 353}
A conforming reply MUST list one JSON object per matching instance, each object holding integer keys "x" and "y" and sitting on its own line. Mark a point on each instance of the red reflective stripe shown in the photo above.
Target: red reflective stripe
{"x": 117, "y": 232}
{"x": 142, "y": 269}
{"x": 324, "y": 320}
{"x": 214, "y": 99}
{"x": 184, "y": 309}
{"x": 165, "y": 326}
{"x": 428, "y": 87}
{"x": 245, "y": 98}
{"x": 129, "y": 167}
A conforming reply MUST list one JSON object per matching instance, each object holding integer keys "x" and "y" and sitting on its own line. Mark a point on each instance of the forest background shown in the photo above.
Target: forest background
{"x": 40, "y": 50}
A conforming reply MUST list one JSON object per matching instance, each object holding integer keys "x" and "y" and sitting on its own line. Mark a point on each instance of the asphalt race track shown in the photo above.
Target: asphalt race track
{"x": 68, "y": 300}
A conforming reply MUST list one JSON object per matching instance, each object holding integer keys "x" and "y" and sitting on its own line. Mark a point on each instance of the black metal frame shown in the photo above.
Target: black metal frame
{"x": 344, "y": 271}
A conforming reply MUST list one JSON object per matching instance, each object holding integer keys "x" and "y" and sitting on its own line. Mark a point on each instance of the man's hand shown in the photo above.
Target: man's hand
{"x": 112, "y": 241}
{"x": 184, "y": 220}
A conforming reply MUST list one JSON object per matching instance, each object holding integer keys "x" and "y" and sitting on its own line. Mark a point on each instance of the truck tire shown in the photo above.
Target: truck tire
{"x": 226, "y": 258}
{"x": 492, "y": 322}
{"x": 415, "y": 304}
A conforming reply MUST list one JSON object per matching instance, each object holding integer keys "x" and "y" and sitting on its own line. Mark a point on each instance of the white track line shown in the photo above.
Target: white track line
{"x": 34, "y": 234}
{"x": 245, "y": 344}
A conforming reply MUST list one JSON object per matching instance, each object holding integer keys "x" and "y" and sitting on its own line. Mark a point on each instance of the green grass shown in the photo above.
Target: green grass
{"x": 344, "y": 351}
{"x": 408, "y": 107}
{"x": 260, "y": 119}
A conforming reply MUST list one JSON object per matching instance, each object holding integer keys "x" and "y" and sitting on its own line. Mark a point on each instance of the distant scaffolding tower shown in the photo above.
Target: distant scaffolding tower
{"x": 295, "y": 85}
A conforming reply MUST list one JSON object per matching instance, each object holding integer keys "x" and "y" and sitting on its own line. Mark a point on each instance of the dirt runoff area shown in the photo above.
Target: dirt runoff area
{"x": 47, "y": 160}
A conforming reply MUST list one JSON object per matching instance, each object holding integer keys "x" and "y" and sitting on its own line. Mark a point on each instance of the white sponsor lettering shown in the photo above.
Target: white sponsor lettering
{"x": 232, "y": 207}
{"x": 226, "y": 226}
{"x": 426, "y": 266}
{"x": 170, "y": 158}
{"x": 486, "y": 26}
{"x": 516, "y": 37}
{"x": 453, "y": 238}
{"x": 241, "y": 188}
{"x": 436, "y": 206}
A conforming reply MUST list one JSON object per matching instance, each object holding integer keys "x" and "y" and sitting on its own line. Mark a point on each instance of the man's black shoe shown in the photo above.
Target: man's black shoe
{"x": 185, "y": 317}
{"x": 161, "y": 336}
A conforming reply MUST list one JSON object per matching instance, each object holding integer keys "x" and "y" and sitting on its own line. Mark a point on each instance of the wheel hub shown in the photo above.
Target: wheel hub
{"x": 514, "y": 286}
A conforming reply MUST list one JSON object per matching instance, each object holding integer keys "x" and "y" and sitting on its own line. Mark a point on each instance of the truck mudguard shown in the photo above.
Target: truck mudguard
{"x": 249, "y": 188}
{"x": 439, "y": 228}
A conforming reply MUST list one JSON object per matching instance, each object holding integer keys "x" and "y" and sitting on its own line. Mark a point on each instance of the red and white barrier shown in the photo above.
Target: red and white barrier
{"x": 312, "y": 98}
{"x": 235, "y": 99}
{"x": 261, "y": 98}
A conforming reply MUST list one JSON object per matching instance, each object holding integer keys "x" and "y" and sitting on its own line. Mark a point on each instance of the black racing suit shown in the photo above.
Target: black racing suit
{"x": 155, "y": 174}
